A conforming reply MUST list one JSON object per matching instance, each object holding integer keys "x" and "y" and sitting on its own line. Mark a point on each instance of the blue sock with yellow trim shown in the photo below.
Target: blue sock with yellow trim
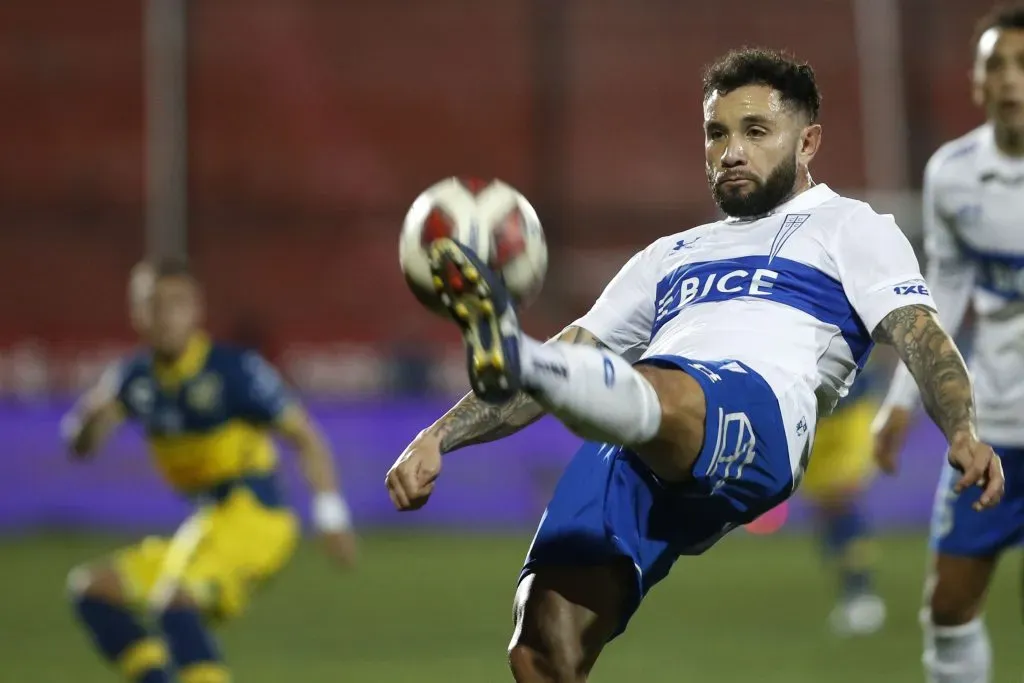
{"x": 846, "y": 540}
{"x": 193, "y": 648}
{"x": 123, "y": 641}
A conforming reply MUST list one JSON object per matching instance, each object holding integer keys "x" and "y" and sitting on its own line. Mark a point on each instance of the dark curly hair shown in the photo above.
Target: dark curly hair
{"x": 1007, "y": 15}
{"x": 794, "y": 80}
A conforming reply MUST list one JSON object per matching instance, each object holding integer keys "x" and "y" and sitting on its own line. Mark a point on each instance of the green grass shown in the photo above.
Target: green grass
{"x": 433, "y": 609}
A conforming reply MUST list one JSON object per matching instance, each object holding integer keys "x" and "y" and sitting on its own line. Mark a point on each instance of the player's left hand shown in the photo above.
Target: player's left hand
{"x": 980, "y": 466}
{"x": 341, "y": 546}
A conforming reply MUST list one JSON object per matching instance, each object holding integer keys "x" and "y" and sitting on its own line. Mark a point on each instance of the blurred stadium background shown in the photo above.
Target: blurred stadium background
{"x": 278, "y": 143}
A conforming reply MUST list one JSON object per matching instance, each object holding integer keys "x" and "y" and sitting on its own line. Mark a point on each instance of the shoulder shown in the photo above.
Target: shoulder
{"x": 951, "y": 160}
{"x": 130, "y": 380}
{"x": 678, "y": 241}
{"x": 238, "y": 363}
{"x": 855, "y": 216}
{"x": 132, "y": 366}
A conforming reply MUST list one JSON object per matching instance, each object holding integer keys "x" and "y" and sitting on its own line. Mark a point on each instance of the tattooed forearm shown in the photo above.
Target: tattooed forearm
{"x": 471, "y": 421}
{"x": 936, "y": 364}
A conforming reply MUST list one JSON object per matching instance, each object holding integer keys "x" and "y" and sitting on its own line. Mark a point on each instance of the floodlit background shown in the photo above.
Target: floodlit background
{"x": 278, "y": 143}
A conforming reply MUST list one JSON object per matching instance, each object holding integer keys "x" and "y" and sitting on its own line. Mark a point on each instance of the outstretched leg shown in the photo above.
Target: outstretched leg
{"x": 657, "y": 412}
{"x": 563, "y": 618}
{"x": 101, "y": 605}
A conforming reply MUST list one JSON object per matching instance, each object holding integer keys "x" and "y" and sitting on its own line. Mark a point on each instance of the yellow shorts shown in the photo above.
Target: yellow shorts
{"x": 841, "y": 461}
{"x": 219, "y": 555}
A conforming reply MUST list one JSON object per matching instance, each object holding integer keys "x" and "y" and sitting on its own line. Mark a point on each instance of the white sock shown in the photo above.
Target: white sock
{"x": 597, "y": 394}
{"x": 957, "y": 654}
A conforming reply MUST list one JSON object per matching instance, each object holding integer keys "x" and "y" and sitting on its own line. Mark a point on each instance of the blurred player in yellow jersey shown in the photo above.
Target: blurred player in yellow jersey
{"x": 841, "y": 466}
{"x": 209, "y": 413}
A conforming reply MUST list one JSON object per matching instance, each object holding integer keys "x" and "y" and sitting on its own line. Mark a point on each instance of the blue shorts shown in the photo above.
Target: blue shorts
{"x": 609, "y": 506}
{"x": 957, "y": 529}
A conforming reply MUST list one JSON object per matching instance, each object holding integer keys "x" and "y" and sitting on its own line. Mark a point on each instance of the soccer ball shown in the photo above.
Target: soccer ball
{"x": 489, "y": 217}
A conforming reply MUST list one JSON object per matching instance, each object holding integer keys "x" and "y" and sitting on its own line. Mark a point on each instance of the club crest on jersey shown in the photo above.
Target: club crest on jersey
{"x": 204, "y": 393}
{"x": 790, "y": 224}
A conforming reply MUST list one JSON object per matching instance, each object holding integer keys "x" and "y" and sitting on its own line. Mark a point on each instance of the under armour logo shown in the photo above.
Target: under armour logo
{"x": 683, "y": 244}
{"x": 801, "y": 427}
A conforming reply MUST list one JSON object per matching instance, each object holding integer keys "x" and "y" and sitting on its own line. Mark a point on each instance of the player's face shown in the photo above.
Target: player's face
{"x": 755, "y": 147}
{"x": 176, "y": 314}
{"x": 999, "y": 76}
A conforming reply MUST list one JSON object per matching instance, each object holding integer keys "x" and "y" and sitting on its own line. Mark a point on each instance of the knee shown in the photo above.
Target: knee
{"x": 97, "y": 583}
{"x": 948, "y": 606}
{"x": 175, "y": 601}
{"x": 550, "y": 662}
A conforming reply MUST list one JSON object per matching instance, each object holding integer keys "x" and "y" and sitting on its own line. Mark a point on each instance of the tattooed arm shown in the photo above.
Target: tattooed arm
{"x": 936, "y": 365}
{"x": 941, "y": 375}
{"x": 471, "y": 421}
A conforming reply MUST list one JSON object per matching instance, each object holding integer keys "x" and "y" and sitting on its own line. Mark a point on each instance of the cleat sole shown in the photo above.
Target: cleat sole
{"x": 468, "y": 297}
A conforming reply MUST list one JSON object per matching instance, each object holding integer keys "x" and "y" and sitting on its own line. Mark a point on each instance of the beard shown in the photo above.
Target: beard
{"x": 765, "y": 196}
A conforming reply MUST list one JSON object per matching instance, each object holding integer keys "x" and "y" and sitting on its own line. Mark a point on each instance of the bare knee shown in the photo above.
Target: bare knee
{"x": 181, "y": 599}
{"x": 542, "y": 651}
{"x": 958, "y": 590}
{"x": 563, "y": 618}
{"x": 98, "y": 582}
{"x": 546, "y": 654}
{"x": 673, "y": 452}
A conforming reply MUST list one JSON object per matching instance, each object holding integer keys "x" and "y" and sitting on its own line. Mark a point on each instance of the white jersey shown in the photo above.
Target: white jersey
{"x": 974, "y": 244}
{"x": 794, "y": 295}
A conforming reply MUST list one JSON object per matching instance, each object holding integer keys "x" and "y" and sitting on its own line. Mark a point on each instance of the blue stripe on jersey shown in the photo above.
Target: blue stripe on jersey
{"x": 998, "y": 272}
{"x": 777, "y": 279}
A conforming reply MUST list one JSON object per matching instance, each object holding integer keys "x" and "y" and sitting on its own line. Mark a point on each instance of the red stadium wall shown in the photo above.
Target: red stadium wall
{"x": 313, "y": 125}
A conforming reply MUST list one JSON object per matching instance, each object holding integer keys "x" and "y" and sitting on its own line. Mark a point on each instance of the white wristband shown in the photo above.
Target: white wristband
{"x": 331, "y": 512}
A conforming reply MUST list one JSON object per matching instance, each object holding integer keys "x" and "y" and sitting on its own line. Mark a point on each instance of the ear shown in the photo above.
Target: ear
{"x": 977, "y": 78}
{"x": 810, "y": 141}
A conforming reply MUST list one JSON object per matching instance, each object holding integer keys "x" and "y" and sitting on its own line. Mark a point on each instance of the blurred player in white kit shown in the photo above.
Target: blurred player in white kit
{"x": 974, "y": 240}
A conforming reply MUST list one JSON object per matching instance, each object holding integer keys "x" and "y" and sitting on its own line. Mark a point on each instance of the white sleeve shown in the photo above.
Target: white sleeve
{"x": 623, "y": 316}
{"x": 878, "y": 268}
{"x": 950, "y": 275}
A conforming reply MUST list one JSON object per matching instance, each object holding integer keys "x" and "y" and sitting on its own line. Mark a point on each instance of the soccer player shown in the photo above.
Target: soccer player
{"x": 840, "y": 467}
{"x": 973, "y": 204}
{"x": 209, "y": 412}
{"x": 698, "y": 375}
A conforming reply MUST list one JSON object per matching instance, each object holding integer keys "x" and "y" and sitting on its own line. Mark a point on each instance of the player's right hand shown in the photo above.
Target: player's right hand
{"x": 890, "y": 432}
{"x": 411, "y": 479}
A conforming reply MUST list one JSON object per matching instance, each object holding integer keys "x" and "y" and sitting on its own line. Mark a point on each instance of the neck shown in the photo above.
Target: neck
{"x": 1010, "y": 141}
{"x": 803, "y": 183}
{"x": 167, "y": 357}
{"x": 171, "y": 357}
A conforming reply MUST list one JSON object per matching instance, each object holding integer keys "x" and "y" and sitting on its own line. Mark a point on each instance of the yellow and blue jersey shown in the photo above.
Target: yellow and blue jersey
{"x": 208, "y": 417}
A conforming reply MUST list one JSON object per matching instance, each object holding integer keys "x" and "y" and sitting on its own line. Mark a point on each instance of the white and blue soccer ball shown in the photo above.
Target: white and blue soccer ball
{"x": 490, "y": 217}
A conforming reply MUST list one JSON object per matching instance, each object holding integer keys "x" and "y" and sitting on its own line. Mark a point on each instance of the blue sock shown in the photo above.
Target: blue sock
{"x": 122, "y": 640}
{"x": 846, "y": 541}
{"x": 153, "y": 676}
{"x": 190, "y": 642}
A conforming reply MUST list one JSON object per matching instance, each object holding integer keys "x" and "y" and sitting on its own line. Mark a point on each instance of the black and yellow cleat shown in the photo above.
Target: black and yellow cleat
{"x": 477, "y": 300}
